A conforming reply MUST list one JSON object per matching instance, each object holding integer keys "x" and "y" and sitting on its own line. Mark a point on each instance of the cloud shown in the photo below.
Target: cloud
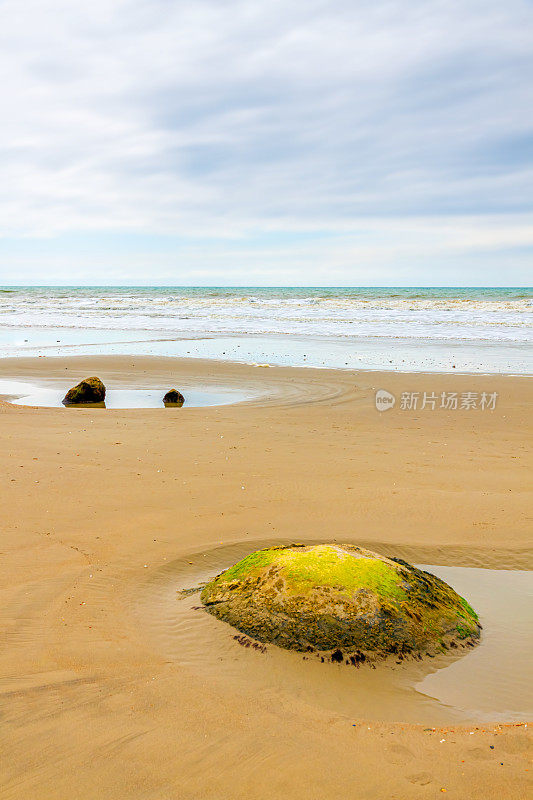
{"x": 228, "y": 120}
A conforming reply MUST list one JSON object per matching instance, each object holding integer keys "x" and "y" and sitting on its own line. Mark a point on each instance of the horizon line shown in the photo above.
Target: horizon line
{"x": 250, "y": 286}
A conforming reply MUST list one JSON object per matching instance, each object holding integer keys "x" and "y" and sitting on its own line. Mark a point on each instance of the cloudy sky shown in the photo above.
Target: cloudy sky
{"x": 339, "y": 142}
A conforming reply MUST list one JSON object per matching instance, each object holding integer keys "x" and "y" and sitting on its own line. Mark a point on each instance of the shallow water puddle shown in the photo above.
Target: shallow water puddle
{"x": 30, "y": 395}
{"x": 488, "y": 683}
{"x": 494, "y": 680}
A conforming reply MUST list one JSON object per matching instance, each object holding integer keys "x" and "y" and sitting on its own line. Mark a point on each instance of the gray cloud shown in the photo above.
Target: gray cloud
{"x": 233, "y": 118}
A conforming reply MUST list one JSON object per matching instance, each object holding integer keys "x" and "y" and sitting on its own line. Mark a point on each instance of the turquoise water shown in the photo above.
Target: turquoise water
{"x": 475, "y": 292}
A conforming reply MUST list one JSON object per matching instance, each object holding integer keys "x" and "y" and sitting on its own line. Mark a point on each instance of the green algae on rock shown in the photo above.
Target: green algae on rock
{"x": 330, "y": 596}
{"x": 89, "y": 390}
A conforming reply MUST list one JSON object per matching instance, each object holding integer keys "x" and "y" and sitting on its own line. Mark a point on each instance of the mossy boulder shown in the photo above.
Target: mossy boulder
{"x": 329, "y": 596}
{"x": 173, "y": 398}
{"x": 89, "y": 390}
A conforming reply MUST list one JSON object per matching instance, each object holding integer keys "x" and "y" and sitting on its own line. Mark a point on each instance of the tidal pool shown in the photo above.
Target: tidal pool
{"x": 487, "y": 683}
{"x": 31, "y": 395}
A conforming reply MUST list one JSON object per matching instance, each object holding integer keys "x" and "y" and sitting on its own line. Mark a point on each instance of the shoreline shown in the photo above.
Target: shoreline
{"x": 394, "y": 353}
{"x": 98, "y": 503}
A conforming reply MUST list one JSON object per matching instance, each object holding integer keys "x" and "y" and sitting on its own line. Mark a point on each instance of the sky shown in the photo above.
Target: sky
{"x": 266, "y": 142}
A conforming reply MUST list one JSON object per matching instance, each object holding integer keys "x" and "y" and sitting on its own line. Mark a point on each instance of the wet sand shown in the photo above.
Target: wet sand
{"x": 98, "y": 504}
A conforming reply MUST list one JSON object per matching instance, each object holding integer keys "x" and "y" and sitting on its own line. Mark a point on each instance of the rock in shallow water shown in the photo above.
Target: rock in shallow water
{"x": 89, "y": 390}
{"x": 328, "y": 596}
{"x": 173, "y": 398}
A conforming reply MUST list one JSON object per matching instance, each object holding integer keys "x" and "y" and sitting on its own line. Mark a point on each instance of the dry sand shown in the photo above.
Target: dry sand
{"x": 94, "y": 502}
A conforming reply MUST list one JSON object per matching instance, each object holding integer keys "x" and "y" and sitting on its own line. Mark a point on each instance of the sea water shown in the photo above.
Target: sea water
{"x": 430, "y": 329}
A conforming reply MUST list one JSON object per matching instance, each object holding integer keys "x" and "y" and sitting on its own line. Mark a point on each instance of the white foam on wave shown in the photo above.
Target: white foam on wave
{"x": 487, "y": 330}
{"x": 493, "y": 315}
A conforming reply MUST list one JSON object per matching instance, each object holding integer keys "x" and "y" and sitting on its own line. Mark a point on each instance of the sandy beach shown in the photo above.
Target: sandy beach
{"x": 99, "y": 506}
{"x": 266, "y": 391}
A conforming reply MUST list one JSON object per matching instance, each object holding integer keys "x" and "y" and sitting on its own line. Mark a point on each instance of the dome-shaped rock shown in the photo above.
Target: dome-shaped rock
{"x": 89, "y": 390}
{"x": 329, "y": 596}
{"x": 173, "y": 398}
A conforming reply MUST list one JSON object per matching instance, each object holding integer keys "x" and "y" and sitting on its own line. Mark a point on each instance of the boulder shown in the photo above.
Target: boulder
{"x": 89, "y": 390}
{"x": 340, "y": 598}
{"x": 173, "y": 398}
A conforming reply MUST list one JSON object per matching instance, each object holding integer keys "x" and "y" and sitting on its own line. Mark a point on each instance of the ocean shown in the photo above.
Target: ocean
{"x": 467, "y": 329}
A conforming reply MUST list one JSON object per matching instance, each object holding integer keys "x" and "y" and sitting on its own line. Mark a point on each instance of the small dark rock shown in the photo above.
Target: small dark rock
{"x": 173, "y": 398}
{"x": 337, "y": 656}
{"x": 89, "y": 390}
